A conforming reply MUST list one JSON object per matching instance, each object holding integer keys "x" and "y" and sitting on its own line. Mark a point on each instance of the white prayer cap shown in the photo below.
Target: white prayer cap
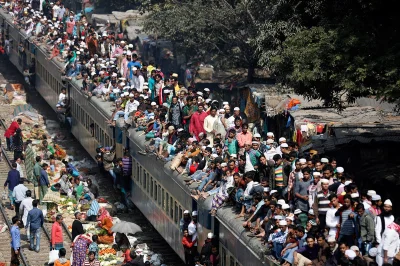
{"x": 126, "y": 93}
{"x": 273, "y": 191}
{"x": 206, "y": 89}
{"x": 311, "y": 212}
{"x": 116, "y": 90}
{"x": 236, "y": 109}
{"x": 129, "y": 53}
{"x": 221, "y": 111}
{"x": 371, "y": 193}
{"x": 114, "y": 75}
{"x": 284, "y": 145}
{"x": 354, "y": 248}
{"x": 350, "y": 254}
{"x": 199, "y": 93}
{"x": 122, "y": 84}
{"x": 224, "y": 164}
{"x": 266, "y": 189}
{"x": 105, "y": 34}
{"x": 376, "y": 197}
{"x": 302, "y": 160}
{"x": 270, "y": 134}
{"x": 281, "y": 202}
{"x": 209, "y": 100}
{"x": 290, "y": 217}
{"x": 93, "y": 73}
{"x": 194, "y": 213}
{"x": 210, "y": 235}
{"x": 297, "y": 211}
{"x": 339, "y": 169}
{"x": 285, "y": 206}
{"x": 270, "y": 141}
{"x": 122, "y": 41}
{"x": 130, "y": 45}
{"x": 348, "y": 182}
{"x": 282, "y": 222}
{"x": 373, "y": 252}
{"x": 186, "y": 212}
{"x": 91, "y": 60}
{"x": 153, "y": 103}
{"x": 324, "y": 160}
{"x": 225, "y": 103}
{"x": 324, "y": 181}
{"x": 388, "y": 202}
{"x": 131, "y": 95}
{"x": 101, "y": 72}
{"x": 257, "y": 135}
{"x": 282, "y": 139}
{"x": 134, "y": 68}
{"x": 180, "y": 129}
{"x": 355, "y": 195}
{"x": 235, "y": 156}
{"x": 331, "y": 239}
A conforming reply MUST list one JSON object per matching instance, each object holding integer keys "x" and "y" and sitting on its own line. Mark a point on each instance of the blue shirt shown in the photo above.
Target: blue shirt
{"x": 15, "y": 237}
{"x": 94, "y": 208}
{"x": 44, "y": 180}
{"x": 35, "y": 219}
{"x": 12, "y": 179}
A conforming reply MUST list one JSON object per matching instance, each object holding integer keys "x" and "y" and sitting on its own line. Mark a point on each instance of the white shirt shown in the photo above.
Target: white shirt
{"x": 390, "y": 242}
{"x": 61, "y": 97}
{"x": 332, "y": 221}
{"x": 131, "y": 106}
{"x": 378, "y": 226}
{"x": 249, "y": 186}
{"x": 192, "y": 230}
{"x": 137, "y": 82}
{"x": 19, "y": 192}
{"x": 25, "y": 207}
{"x": 19, "y": 169}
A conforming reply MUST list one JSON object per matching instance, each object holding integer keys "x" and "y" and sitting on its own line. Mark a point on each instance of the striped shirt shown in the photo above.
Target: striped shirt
{"x": 279, "y": 176}
{"x": 323, "y": 202}
{"x": 347, "y": 226}
{"x": 94, "y": 208}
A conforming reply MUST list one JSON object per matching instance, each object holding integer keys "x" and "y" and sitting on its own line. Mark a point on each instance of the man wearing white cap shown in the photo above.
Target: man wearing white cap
{"x": 209, "y": 122}
{"x": 192, "y": 228}
{"x": 231, "y": 120}
{"x": 137, "y": 79}
{"x": 185, "y": 221}
{"x": 321, "y": 203}
{"x": 279, "y": 239}
{"x": 383, "y": 220}
{"x": 389, "y": 245}
{"x": 376, "y": 203}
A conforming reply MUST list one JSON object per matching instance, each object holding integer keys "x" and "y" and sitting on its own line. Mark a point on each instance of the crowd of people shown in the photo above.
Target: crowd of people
{"x": 302, "y": 206}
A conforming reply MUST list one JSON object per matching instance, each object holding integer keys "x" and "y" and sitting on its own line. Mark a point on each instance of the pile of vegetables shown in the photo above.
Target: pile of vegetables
{"x": 107, "y": 251}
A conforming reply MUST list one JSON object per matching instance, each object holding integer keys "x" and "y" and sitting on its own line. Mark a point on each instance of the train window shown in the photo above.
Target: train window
{"x": 159, "y": 195}
{"x": 150, "y": 187}
{"x": 137, "y": 172}
{"x": 171, "y": 207}
{"x": 155, "y": 191}
{"x": 176, "y": 213}
{"x": 140, "y": 173}
{"x": 180, "y": 213}
{"x": 162, "y": 199}
{"x": 223, "y": 256}
{"x": 231, "y": 261}
{"x": 166, "y": 202}
{"x": 144, "y": 179}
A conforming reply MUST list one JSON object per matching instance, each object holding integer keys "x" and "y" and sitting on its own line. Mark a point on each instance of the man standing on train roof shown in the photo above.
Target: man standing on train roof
{"x": 11, "y": 131}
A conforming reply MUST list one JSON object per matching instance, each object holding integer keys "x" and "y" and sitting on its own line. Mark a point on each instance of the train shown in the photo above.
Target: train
{"x": 158, "y": 192}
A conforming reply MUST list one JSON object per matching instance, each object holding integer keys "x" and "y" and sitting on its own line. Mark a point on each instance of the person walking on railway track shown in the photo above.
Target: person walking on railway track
{"x": 15, "y": 238}
{"x": 43, "y": 181}
{"x": 19, "y": 194}
{"x": 24, "y": 208}
{"x": 77, "y": 227}
{"x": 37, "y": 168}
{"x": 11, "y": 131}
{"x": 34, "y": 224}
{"x": 12, "y": 181}
{"x": 57, "y": 239}
{"x": 18, "y": 144}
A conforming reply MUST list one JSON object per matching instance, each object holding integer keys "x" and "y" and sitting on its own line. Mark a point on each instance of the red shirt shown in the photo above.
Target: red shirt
{"x": 56, "y": 234}
{"x": 11, "y": 130}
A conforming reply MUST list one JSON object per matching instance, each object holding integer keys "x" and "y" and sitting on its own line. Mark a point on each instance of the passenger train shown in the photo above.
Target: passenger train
{"x": 157, "y": 191}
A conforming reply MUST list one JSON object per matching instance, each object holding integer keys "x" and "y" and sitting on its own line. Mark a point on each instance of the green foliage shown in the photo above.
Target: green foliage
{"x": 331, "y": 50}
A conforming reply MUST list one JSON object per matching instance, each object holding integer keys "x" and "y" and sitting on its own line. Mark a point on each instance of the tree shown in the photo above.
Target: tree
{"x": 345, "y": 50}
{"x": 223, "y": 30}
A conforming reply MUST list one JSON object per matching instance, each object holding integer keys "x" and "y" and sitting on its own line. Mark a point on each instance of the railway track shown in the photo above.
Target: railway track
{"x": 27, "y": 257}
